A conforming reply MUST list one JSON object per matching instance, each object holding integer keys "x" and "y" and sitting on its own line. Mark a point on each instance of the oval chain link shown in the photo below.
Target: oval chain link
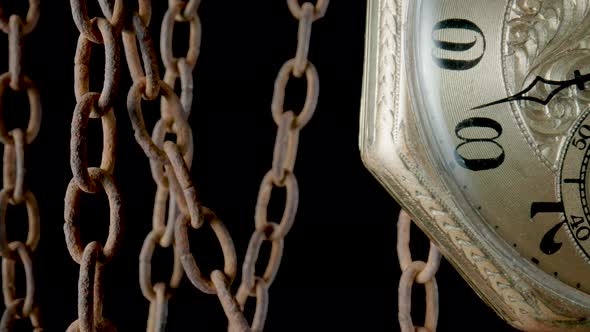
{"x": 15, "y": 191}
{"x": 419, "y": 272}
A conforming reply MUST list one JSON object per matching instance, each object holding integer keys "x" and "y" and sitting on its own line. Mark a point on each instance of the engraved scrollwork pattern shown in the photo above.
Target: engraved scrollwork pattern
{"x": 549, "y": 39}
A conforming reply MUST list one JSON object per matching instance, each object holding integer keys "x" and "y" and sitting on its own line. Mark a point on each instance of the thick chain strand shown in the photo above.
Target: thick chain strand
{"x": 93, "y": 256}
{"x": 14, "y": 191}
{"x": 416, "y": 272}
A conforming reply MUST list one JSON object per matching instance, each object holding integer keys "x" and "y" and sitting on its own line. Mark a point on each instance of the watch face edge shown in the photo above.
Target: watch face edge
{"x": 388, "y": 161}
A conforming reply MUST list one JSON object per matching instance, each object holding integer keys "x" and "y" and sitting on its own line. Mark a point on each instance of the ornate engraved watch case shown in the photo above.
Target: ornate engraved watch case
{"x": 475, "y": 117}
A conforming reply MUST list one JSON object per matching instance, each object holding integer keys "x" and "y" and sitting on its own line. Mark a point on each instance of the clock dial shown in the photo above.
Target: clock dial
{"x": 573, "y": 185}
{"x": 501, "y": 99}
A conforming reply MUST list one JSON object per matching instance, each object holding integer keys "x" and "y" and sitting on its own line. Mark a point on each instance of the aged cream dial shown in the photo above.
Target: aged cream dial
{"x": 501, "y": 91}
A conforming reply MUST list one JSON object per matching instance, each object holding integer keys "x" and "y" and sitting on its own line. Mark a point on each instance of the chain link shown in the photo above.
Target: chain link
{"x": 13, "y": 314}
{"x": 30, "y": 21}
{"x": 178, "y": 169}
{"x": 158, "y": 294}
{"x": 419, "y": 272}
{"x": 14, "y": 191}
{"x": 93, "y": 256}
{"x": 34, "y": 109}
{"x": 188, "y": 261}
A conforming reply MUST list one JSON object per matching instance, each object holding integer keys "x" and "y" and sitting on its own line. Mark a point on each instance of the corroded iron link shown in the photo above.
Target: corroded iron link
{"x": 248, "y": 270}
{"x": 158, "y": 309}
{"x": 311, "y": 98}
{"x": 170, "y": 62}
{"x": 261, "y": 294}
{"x": 87, "y": 26}
{"x": 158, "y": 294}
{"x": 71, "y": 225}
{"x": 13, "y": 313}
{"x": 303, "y": 39}
{"x": 285, "y": 151}
{"x": 319, "y": 10}
{"x": 30, "y": 21}
{"x": 14, "y": 191}
{"x": 160, "y": 219}
{"x": 184, "y": 140}
{"x": 145, "y": 267}
{"x": 112, "y": 66}
{"x": 182, "y": 174}
{"x": 229, "y": 304}
{"x": 78, "y": 149}
{"x": 172, "y": 115}
{"x": 15, "y": 47}
{"x": 419, "y": 272}
{"x": 33, "y": 235}
{"x": 14, "y": 166}
{"x": 141, "y": 35}
{"x": 189, "y": 263}
{"x": 34, "y": 109}
{"x": 264, "y": 195}
{"x": 9, "y": 281}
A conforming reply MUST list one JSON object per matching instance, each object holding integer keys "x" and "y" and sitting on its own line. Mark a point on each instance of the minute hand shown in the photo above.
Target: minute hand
{"x": 579, "y": 80}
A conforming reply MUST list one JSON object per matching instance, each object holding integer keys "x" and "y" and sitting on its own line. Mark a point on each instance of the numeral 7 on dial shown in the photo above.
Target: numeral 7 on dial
{"x": 549, "y": 245}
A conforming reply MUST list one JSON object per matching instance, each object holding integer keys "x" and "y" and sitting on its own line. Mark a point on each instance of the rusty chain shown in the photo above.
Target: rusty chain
{"x": 281, "y": 174}
{"x": 93, "y": 256}
{"x": 170, "y": 161}
{"x": 176, "y": 205}
{"x": 416, "y": 272}
{"x": 15, "y": 191}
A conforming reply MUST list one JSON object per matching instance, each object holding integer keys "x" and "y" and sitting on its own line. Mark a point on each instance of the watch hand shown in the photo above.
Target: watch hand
{"x": 579, "y": 80}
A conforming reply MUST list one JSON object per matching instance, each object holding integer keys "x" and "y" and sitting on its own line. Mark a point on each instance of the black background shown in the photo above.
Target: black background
{"x": 339, "y": 270}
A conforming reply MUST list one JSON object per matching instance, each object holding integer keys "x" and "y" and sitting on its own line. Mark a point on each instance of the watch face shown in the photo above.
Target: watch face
{"x": 500, "y": 91}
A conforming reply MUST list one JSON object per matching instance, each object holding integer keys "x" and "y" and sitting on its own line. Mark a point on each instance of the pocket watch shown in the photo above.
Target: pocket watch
{"x": 476, "y": 118}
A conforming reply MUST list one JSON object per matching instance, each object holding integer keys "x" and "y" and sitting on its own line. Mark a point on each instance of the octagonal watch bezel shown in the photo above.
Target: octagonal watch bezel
{"x": 393, "y": 150}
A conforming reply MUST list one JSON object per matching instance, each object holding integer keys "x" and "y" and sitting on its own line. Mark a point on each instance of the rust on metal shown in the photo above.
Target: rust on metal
{"x": 176, "y": 204}
{"x": 93, "y": 256}
{"x": 15, "y": 191}
{"x": 416, "y": 272}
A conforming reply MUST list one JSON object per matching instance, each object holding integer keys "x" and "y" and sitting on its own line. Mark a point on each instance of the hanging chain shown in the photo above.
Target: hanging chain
{"x": 176, "y": 205}
{"x": 416, "y": 271}
{"x": 162, "y": 234}
{"x": 281, "y": 174}
{"x": 14, "y": 191}
{"x": 171, "y": 161}
{"x": 93, "y": 256}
